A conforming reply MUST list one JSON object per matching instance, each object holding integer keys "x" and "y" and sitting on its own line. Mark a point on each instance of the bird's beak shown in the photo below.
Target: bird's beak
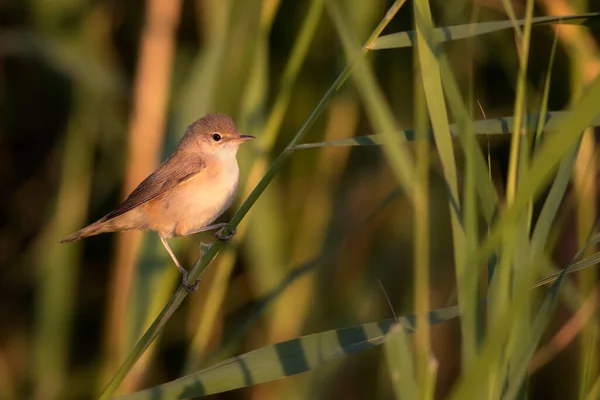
{"x": 245, "y": 138}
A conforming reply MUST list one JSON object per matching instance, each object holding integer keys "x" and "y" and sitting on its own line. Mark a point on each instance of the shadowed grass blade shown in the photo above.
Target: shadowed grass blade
{"x": 495, "y": 126}
{"x": 449, "y": 33}
{"x": 586, "y": 262}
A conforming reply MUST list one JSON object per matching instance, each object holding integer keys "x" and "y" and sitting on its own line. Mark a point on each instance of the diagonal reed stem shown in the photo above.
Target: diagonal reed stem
{"x": 202, "y": 263}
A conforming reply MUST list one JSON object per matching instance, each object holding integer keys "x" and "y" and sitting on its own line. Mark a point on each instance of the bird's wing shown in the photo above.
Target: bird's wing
{"x": 169, "y": 175}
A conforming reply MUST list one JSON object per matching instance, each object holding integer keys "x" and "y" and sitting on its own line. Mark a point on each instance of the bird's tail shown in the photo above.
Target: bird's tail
{"x": 97, "y": 227}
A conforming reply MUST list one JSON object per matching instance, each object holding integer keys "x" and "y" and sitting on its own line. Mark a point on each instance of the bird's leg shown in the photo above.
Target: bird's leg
{"x": 221, "y": 226}
{"x": 183, "y": 271}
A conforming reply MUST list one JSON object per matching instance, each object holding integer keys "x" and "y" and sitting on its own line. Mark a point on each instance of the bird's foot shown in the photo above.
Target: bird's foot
{"x": 190, "y": 287}
{"x": 221, "y": 233}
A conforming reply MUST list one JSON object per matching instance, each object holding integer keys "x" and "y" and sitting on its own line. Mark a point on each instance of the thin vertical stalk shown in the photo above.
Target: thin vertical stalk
{"x": 428, "y": 52}
{"x": 421, "y": 246}
{"x": 584, "y": 182}
{"x": 517, "y": 131}
{"x": 500, "y": 288}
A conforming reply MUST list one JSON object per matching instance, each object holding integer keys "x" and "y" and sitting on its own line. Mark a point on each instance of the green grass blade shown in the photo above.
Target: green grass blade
{"x": 286, "y": 358}
{"x": 400, "y": 364}
{"x": 485, "y": 188}
{"x": 428, "y": 51}
{"x": 514, "y": 267}
{"x": 421, "y": 234}
{"x": 449, "y": 33}
{"x": 522, "y": 359}
{"x": 436, "y": 105}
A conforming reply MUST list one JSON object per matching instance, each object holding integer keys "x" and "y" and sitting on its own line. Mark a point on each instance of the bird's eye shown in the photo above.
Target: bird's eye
{"x": 216, "y": 137}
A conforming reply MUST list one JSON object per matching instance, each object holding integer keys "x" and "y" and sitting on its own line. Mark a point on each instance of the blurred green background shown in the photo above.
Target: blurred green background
{"x": 94, "y": 94}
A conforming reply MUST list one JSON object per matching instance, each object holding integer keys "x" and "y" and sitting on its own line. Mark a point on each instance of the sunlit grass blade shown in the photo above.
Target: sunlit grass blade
{"x": 436, "y": 106}
{"x": 400, "y": 364}
{"x": 448, "y": 33}
{"x": 521, "y": 359}
{"x": 585, "y": 190}
{"x": 483, "y": 183}
{"x": 478, "y": 190}
{"x": 421, "y": 236}
{"x": 428, "y": 51}
{"x": 286, "y": 358}
{"x": 514, "y": 266}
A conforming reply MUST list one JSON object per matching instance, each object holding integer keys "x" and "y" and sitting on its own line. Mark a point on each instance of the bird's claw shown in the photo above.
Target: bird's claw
{"x": 221, "y": 235}
{"x": 189, "y": 287}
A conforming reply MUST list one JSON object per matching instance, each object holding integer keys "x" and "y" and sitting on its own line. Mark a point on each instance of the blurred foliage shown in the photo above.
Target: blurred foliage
{"x": 330, "y": 244}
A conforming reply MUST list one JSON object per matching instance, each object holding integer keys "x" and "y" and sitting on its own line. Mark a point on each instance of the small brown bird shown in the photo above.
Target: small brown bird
{"x": 187, "y": 192}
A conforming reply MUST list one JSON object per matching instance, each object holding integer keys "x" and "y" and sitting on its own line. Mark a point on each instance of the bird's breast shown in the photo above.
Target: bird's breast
{"x": 198, "y": 202}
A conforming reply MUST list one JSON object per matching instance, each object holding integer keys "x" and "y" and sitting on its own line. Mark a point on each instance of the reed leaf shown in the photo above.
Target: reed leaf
{"x": 286, "y": 358}
{"x": 449, "y": 33}
{"x": 492, "y": 126}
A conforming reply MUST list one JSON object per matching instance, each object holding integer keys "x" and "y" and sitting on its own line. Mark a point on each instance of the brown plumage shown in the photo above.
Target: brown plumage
{"x": 187, "y": 192}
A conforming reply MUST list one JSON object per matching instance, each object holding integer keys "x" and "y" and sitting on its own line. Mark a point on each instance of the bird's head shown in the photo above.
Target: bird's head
{"x": 215, "y": 133}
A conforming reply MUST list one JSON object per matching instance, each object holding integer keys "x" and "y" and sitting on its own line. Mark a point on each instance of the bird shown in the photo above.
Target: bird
{"x": 186, "y": 193}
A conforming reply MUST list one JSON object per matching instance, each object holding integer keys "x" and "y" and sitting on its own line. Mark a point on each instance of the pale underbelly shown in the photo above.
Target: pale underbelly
{"x": 189, "y": 208}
